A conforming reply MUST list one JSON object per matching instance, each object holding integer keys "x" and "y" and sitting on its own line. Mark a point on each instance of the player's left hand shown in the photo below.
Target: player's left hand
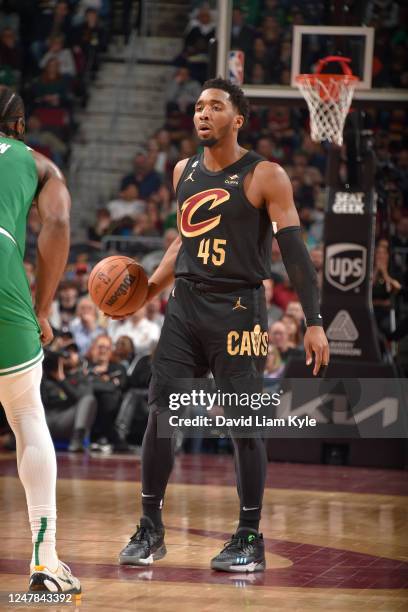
{"x": 315, "y": 341}
{"x": 46, "y": 335}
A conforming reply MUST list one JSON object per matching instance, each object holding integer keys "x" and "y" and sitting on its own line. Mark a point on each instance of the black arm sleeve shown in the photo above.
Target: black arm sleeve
{"x": 301, "y": 272}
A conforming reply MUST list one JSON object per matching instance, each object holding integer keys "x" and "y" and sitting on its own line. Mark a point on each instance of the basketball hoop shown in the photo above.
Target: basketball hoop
{"x": 328, "y": 97}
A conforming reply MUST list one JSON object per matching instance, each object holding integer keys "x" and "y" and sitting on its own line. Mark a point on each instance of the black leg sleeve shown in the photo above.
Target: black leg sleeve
{"x": 250, "y": 465}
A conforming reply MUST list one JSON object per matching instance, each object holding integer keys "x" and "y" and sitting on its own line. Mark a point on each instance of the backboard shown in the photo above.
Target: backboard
{"x": 311, "y": 43}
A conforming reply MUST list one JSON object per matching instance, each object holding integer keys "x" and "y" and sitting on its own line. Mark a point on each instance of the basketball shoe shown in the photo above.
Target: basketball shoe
{"x": 242, "y": 553}
{"x": 60, "y": 581}
{"x": 145, "y": 546}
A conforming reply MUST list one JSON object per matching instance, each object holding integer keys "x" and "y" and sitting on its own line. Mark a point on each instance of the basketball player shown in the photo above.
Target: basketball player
{"x": 229, "y": 201}
{"x": 24, "y": 176}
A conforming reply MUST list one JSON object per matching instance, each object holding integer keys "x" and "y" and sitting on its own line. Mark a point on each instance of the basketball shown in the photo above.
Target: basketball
{"x": 118, "y": 285}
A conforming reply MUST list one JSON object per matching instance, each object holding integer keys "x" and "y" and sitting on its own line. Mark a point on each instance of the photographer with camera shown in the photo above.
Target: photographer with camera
{"x": 108, "y": 380}
{"x": 70, "y": 406}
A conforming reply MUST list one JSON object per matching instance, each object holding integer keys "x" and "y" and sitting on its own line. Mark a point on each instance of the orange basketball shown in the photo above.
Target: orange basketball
{"x": 118, "y": 285}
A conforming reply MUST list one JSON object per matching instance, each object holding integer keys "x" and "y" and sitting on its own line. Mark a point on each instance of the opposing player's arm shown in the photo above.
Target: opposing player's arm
{"x": 53, "y": 202}
{"x": 163, "y": 276}
{"x": 278, "y": 196}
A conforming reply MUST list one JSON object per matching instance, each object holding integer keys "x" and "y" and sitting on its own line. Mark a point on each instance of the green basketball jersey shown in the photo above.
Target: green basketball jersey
{"x": 20, "y": 346}
{"x": 18, "y": 185}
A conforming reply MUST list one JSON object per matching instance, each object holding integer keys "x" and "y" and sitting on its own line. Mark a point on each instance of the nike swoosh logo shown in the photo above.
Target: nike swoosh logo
{"x": 144, "y": 495}
{"x": 256, "y": 508}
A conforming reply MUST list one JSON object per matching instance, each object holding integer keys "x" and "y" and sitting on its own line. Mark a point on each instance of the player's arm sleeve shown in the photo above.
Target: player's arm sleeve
{"x": 301, "y": 272}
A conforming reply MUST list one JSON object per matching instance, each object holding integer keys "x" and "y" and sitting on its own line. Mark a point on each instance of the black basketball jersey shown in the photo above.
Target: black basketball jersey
{"x": 225, "y": 239}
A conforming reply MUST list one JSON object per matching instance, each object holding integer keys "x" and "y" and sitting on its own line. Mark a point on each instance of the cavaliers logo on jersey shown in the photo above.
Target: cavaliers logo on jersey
{"x": 193, "y": 203}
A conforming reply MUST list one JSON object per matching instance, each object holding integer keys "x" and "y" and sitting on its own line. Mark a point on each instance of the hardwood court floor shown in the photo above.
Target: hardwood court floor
{"x": 336, "y": 538}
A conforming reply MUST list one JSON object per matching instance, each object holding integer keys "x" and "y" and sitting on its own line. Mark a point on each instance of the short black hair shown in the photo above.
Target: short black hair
{"x": 236, "y": 94}
{"x": 11, "y": 108}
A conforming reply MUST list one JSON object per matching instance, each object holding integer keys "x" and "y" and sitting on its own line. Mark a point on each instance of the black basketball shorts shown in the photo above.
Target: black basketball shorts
{"x": 209, "y": 330}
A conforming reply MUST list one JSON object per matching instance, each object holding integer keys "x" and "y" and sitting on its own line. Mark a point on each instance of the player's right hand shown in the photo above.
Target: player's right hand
{"x": 46, "y": 335}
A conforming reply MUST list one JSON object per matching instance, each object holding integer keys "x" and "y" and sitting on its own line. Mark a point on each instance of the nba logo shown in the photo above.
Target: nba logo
{"x": 236, "y": 67}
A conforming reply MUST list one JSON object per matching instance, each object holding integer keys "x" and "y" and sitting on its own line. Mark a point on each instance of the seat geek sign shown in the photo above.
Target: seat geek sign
{"x": 347, "y": 283}
{"x": 346, "y": 203}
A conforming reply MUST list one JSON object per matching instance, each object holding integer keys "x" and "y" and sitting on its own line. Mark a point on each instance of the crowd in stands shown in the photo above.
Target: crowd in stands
{"x": 49, "y": 52}
{"x": 111, "y": 359}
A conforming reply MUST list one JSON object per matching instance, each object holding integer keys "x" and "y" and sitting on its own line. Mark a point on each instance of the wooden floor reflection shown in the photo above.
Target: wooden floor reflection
{"x": 327, "y": 549}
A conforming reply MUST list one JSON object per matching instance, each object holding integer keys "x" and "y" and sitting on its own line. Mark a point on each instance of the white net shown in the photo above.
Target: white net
{"x": 329, "y": 99}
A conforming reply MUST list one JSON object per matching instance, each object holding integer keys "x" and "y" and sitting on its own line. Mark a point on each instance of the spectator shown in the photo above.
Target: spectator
{"x": 81, "y": 277}
{"x": 108, "y": 382}
{"x": 128, "y": 204}
{"x": 278, "y": 337}
{"x": 294, "y": 331}
{"x": 152, "y": 260}
{"x": 278, "y": 269}
{"x": 11, "y": 53}
{"x": 264, "y": 148}
{"x": 124, "y": 351}
{"x": 51, "y": 89}
{"x": 90, "y": 38}
{"x": 284, "y": 294}
{"x": 64, "y": 308}
{"x": 163, "y": 200}
{"x": 271, "y": 34}
{"x": 143, "y": 332}
{"x": 84, "y": 327}
{"x": 260, "y": 56}
{"x": 143, "y": 176}
{"x": 200, "y": 29}
{"x": 317, "y": 257}
{"x": 304, "y": 198}
{"x": 399, "y": 244}
{"x": 63, "y": 55}
{"x": 145, "y": 226}
{"x": 188, "y": 148}
{"x": 242, "y": 34}
{"x": 294, "y": 309}
{"x": 382, "y": 13}
{"x": 72, "y": 361}
{"x": 51, "y": 18}
{"x": 384, "y": 287}
{"x": 45, "y": 141}
{"x": 269, "y": 148}
{"x": 257, "y": 76}
{"x": 182, "y": 92}
{"x": 153, "y": 312}
{"x": 100, "y": 6}
{"x": 102, "y": 227}
{"x": 70, "y": 408}
{"x": 167, "y": 154}
{"x": 274, "y": 365}
{"x": 274, "y": 312}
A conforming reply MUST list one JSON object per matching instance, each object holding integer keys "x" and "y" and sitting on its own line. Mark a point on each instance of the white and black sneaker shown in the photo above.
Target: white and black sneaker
{"x": 242, "y": 553}
{"x": 60, "y": 581}
{"x": 145, "y": 546}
